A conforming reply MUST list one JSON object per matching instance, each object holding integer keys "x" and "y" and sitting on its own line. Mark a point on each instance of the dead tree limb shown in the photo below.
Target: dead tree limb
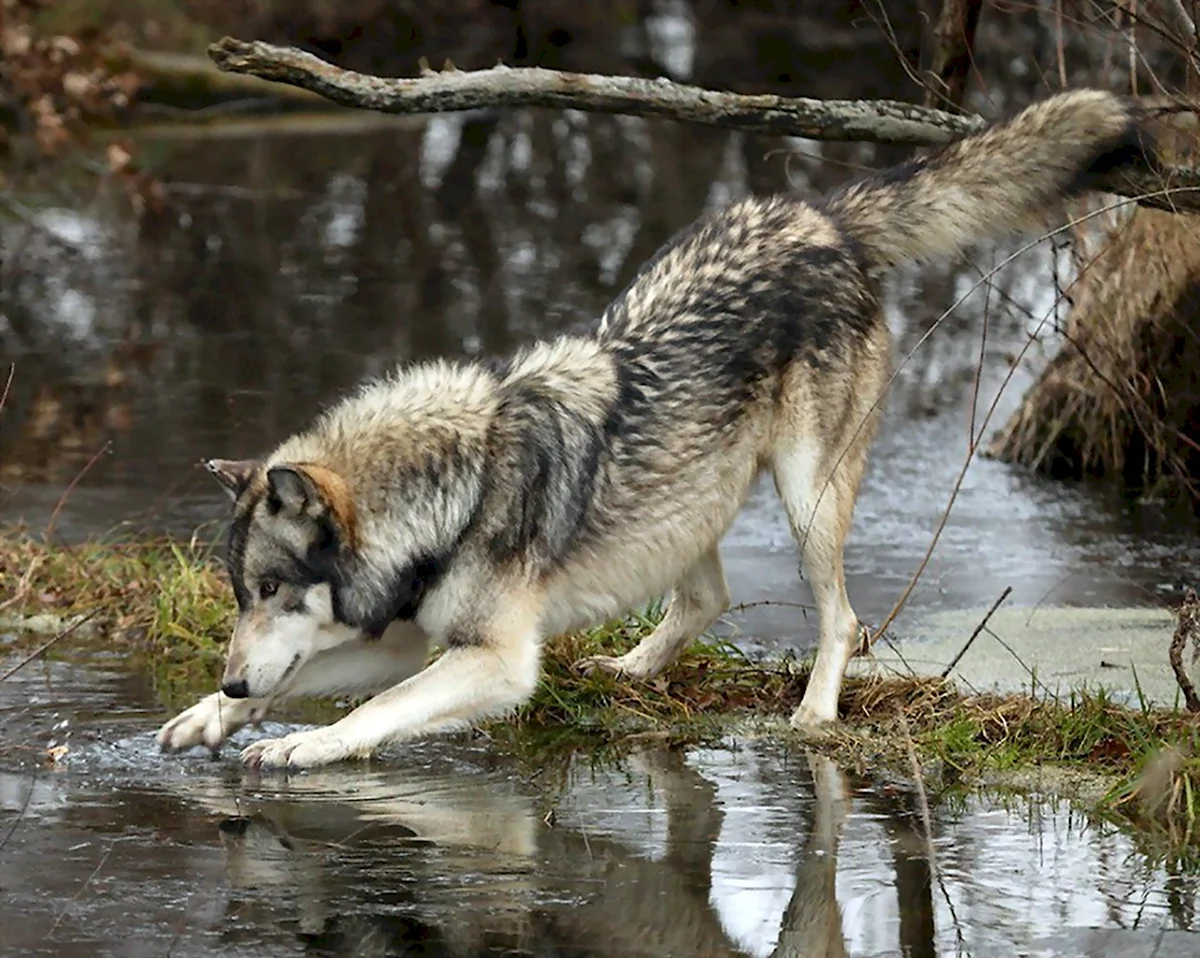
{"x": 1174, "y": 12}
{"x": 1187, "y": 629}
{"x": 873, "y": 121}
{"x": 878, "y": 121}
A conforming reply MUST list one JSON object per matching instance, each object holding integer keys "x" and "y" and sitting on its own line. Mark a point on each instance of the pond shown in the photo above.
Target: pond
{"x": 292, "y": 257}
{"x": 448, "y": 848}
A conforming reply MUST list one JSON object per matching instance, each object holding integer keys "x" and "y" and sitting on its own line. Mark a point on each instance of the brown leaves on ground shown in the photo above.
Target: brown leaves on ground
{"x": 56, "y": 82}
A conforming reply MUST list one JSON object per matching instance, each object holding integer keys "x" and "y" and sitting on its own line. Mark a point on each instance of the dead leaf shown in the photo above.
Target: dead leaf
{"x": 77, "y": 85}
{"x": 119, "y": 158}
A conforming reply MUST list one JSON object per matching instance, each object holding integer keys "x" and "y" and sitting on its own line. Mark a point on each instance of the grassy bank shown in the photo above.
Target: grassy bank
{"x": 168, "y": 605}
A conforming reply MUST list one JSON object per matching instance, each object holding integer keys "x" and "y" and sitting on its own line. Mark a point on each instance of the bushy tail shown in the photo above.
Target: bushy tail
{"x": 1004, "y": 180}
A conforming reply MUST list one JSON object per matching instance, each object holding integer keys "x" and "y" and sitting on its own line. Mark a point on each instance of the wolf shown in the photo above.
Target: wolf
{"x": 487, "y": 506}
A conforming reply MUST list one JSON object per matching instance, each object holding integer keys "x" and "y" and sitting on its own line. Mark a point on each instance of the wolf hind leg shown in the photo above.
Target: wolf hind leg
{"x": 695, "y": 602}
{"x": 819, "y": 507}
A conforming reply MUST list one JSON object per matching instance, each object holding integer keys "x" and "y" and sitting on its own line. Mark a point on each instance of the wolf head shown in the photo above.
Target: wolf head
{"x": 293, "y": 527}
{"x": 297, "y": 573}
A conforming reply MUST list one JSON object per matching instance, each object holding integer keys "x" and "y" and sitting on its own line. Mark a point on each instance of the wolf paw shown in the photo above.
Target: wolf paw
{"x": 814, "y": 722}
{"x": 298, "y": 750}
{"x": 620, "y": 666}
{"x": 209, "y": 723}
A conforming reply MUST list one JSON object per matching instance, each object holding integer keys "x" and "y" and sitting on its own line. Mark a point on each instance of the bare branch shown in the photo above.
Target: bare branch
{"x": 1181, "y": 22}
{"x": 873, "y": 121}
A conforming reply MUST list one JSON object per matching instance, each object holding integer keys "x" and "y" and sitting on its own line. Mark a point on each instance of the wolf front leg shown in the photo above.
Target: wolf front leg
{"x": 360, "y": 668}
{"x": 471, "y": 680}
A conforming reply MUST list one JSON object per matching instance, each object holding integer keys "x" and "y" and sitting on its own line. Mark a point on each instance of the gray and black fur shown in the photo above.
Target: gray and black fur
{"x": 495, "y": 505}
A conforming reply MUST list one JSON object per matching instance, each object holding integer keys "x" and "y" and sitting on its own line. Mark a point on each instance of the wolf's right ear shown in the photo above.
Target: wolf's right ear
{"x": 233, "y": 474}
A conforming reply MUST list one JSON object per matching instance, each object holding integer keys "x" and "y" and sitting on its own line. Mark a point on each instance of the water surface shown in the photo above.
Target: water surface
{"x": 450, "y": 848}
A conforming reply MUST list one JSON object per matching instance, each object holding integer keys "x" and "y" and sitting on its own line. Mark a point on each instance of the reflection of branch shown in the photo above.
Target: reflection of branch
{"x": 872, "y": 121}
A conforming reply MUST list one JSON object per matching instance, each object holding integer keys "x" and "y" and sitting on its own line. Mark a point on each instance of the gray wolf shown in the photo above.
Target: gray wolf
{"x": 489, "y": 506}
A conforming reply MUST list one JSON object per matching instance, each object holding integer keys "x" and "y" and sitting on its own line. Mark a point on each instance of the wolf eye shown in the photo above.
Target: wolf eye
{"x": 267, "y": 588}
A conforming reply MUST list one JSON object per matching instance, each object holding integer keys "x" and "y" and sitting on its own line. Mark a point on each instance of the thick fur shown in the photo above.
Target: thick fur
{"x": 497, "y": 505}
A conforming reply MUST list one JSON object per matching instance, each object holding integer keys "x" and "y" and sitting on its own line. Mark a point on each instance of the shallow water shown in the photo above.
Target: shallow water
{"x": 447, "y": 848}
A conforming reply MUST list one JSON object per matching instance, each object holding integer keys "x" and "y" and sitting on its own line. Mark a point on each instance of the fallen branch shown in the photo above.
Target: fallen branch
{"x": 1188, "y": 628}
{"x": 452, "y": 90}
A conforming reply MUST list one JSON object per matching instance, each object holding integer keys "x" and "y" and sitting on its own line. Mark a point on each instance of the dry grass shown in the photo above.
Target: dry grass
{"x": 1121, "y": 400}
{"x": 165, "y": 599}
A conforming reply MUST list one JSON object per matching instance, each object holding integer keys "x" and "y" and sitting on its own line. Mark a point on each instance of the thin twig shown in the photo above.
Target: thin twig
{"x": 926, "y": 818}
{"x": 24, "y": 807}
{"x": 62, "y": 500}
{"x": 973, "y": 446}
{"x": 1034, "y": 680}
{"x": 83, "y": 888}
{"x": 12, "y": 371}
{"x": 47, "y": 644}
{"x": 744, "y": 606}
{"x": 974, "y": 635}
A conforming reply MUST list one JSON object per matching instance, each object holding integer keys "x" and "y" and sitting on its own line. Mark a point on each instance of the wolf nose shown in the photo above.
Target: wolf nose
{"x": 236, "y": 690}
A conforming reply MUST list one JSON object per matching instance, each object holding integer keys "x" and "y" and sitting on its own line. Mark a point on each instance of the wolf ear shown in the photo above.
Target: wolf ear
{"x": 292, "y": 491}
{"x": 312, "y": 490}
{"x": 233, "y": 474}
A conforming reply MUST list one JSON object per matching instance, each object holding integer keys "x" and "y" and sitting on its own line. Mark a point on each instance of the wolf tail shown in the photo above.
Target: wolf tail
{"x": 1005, "y": 179}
